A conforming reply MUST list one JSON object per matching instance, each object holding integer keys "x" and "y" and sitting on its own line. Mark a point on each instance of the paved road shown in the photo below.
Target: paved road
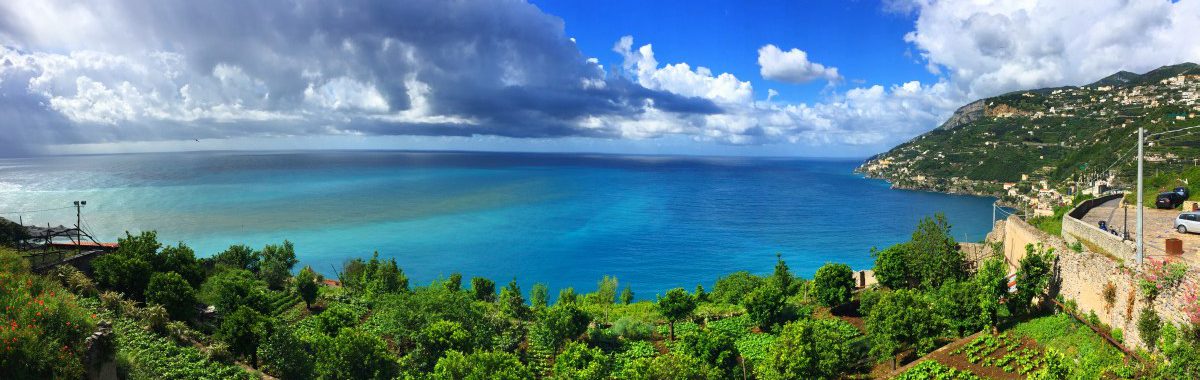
{"x": 1160, "y": 225}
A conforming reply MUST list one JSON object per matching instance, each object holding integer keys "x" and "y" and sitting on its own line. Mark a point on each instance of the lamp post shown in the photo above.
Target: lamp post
{"x": 1140, "y": 202}
{"x": 79, "y": 222}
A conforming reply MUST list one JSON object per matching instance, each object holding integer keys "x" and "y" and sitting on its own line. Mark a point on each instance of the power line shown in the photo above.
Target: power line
{"x": 33, "y": 211}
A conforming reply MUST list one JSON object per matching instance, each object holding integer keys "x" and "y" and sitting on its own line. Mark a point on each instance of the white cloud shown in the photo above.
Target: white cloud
{"x": 345, "y": 93}
{"x": 993, "y": 46}
{"x": 792, "y": 66}
{"x": 680, "y": 78}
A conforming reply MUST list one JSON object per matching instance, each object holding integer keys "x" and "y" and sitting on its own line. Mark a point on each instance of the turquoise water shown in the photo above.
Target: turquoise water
{"x": 564, "y": 220}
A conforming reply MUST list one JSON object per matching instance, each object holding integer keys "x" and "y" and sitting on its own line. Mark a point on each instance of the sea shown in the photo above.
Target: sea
{"x": 565, "y": 220}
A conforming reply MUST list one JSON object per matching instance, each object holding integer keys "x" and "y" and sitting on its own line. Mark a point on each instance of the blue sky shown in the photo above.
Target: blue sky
{"x": 861, "y": 38}
{"x": 771, "y": 78}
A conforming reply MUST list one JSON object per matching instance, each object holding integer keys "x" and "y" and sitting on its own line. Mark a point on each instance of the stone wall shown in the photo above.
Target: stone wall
{"x": 1092, "y": 237}
{"x": 1082, "y": 277}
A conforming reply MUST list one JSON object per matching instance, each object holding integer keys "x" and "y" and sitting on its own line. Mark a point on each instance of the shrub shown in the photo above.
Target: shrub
{"x": 481, "y": 365}
{"x": 559, "y": 324}
{"x": 306, "y": 285}
{"x": 43, "y": 328}
{"x": 626, "y": 295}
{"x": 285, "y": 355}
{"x": 174, "y": 294}
{"x": 715, "y": 349}
{"x": 580, "y": 362}
{"x": 900, "y": 320}
{"x": 484, "y": 289}
{"x": 767, "y": 306}
{"x": 1149, "y": 325}
{"x": 239, "y": 256}
{"x": 811, "y": 349}
{"x": 730, "y": 289}
{"x": 355, "y": 354}
{"x": 242, "y": 331}
{"x": 1110, "y": 295}
{"x": 539, "y": 296}
{"x": 632, "y": 329}
{"x": 833, "y": 283}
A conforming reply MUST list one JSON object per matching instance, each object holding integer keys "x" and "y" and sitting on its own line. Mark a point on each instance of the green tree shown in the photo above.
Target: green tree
{"x": 559, "y": 324}
{"x": 958, "y": 304}
{"x": 440, "y": 337}
{"x": 277, "y": 263}
{"x": 232, "y": 288}
{"x": 730, "y": 289}
{"x": 539, "y": 296}
{"x": 894, "y": 268}
{"x": 627, "y": 295}
{"x": 122, "y": 273}
{"x": 716, "y": 349}
{"x": 454, "y": 283}
{"x": 580, "y": 362}
{"x": 481, "y": 366}
{"x": 833, "y": 283}
{"x": 902, "y": 319}
{"x": 172, "y": 292}
{"x": 382, "y": 277}
{"x": 285, "y": 355}
{"x": 512, "y": 303}
{"x": 143, "y": 246}
{"x": 937, "y": 254}
{"x": 484, "y": 289}
{"x": 242, "y": 331}
{"x": 1032, "y": 278}
{"x": 675, "y": 306}
{"x": 355, "y": 354}
{"x": 782, "y": 277}
{"x": 811, "y": 349}
{"x": 767, "y": 306}
{"x": 701, "y": 295}
{"x": 567, "y": 296}
{"x": 180, "y": 259}
{"x": 991, "y": 284}
{"x": 306, "y": 285}
{"x": 239, "y": 256}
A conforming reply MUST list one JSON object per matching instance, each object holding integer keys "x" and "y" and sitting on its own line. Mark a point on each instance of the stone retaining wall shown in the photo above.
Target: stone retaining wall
{"x": 1082, "y": 277}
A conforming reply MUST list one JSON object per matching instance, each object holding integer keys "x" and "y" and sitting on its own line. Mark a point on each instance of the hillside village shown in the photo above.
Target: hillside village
{"x": 1035, "y": 149}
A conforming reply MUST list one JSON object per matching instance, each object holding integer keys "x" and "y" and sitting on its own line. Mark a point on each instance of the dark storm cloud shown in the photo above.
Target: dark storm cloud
{"x": 186, "y": 69}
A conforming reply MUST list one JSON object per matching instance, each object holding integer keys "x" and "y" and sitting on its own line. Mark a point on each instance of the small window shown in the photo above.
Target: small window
{"x": 1189, "y": 216}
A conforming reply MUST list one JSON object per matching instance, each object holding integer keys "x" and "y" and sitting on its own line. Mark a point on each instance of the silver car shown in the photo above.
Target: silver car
{"x": 1188, "y": 221}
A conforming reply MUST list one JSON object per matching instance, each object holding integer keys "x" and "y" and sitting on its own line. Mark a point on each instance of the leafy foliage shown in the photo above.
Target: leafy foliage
{"x": 42, "y": 328}
{"x": 676, "y": 305}
{"x": 902, "y": 319}
{"x": 172, "y": 292}
{"x": 833, "y": 283}
{"x": 811, "y": 349}
{"x": 767, "y": 306}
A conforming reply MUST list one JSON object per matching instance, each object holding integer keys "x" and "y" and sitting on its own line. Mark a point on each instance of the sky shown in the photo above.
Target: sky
{"x": 770, "y": 78}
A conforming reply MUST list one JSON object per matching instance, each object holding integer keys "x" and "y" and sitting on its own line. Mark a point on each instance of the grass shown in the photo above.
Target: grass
{"x": 1089, "y": 355}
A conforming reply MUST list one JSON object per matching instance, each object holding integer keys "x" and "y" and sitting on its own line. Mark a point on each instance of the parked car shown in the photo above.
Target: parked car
{"x": 1188, "y": 221}
{"x": 1182, "y": 191}
{"x": 1170, "y": 200}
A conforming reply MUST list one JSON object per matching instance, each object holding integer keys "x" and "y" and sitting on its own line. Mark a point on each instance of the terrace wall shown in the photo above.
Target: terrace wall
{"x": 1082, "y": 276}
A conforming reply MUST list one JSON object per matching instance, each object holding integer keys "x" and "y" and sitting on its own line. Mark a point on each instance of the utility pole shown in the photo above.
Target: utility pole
{"x": 1140, "y": 237}
{"x": 79, "y": 222}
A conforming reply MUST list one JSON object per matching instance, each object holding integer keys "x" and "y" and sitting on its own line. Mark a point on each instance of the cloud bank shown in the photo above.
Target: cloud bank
{"x": 111, "y": 71}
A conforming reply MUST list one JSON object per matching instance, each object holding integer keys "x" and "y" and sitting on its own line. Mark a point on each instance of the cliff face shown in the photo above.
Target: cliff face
{"x": 965, "y": 114}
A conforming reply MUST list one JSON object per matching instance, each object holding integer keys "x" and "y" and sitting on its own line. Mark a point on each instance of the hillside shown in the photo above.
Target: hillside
{"x": 1060, "y": 135}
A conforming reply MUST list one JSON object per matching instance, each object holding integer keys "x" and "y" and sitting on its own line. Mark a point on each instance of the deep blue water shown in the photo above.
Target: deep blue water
{"x": 565, "y": 220}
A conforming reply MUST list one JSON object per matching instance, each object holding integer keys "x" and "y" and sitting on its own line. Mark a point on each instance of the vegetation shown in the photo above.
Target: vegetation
{"x": 377, "y": 326}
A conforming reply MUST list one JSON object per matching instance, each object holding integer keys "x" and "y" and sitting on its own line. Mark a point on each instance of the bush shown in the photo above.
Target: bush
{"x": 580, "y": 362}
{"x": 1149, "y": 325}
{"x": 285, "y": 355}
{"x": 306, "y": 285}
{"x": 632, "y": 329}
{"x": 277, "y": 263}
{"x": 559, "y": 324}
{"x": 767, "y": 306}
{"x": 902, "y": 319}
{"x": 730, "y": 289}
{"x": 811, "y": 349}
{"x": 174, "y": 294}
{"x": 481, "y": 365}
{"x": 242, "y": 331}
{"x": 483, "y": 289}
{"x": 239, "y": 256}
{"x": 833, "y": 283}
{"x": 43, "y": 328}
{"x": 355, "y": 354}
{"x": 715, "y": 349}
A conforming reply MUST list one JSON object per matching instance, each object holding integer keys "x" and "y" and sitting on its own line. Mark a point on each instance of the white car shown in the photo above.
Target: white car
{"x": 1188, "y": 221}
